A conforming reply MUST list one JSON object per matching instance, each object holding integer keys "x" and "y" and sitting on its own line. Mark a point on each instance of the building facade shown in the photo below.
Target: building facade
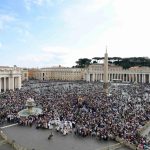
{"x": 10, "y": 78}
{"x": 24, "y": 74}
{"x": 95, "y": 72}
{"x": 32, "y": 73}
{"x": 59, "y": 73}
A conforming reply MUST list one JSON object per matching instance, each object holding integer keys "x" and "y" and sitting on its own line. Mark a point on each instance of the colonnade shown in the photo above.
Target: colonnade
{"x": 10, "y": 83}
{"x": 124, "y": 77}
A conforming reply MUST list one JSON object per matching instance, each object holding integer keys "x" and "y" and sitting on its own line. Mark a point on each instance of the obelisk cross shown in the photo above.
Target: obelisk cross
{"x": 106, "y": 72}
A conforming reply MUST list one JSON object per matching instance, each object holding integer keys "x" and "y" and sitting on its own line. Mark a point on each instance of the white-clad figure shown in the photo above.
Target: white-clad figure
{"x": 50, "y": 126}
{"x": 65, "y": 131}
{"x": 57, "y": 121}
{"x": 61, "y": 127}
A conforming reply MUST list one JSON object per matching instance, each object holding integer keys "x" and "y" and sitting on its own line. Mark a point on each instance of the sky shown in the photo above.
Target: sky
{"x": 46, "y": 33}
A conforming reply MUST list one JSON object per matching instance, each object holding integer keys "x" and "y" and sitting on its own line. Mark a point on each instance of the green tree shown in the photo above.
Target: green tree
{"x": 83, "y": 62}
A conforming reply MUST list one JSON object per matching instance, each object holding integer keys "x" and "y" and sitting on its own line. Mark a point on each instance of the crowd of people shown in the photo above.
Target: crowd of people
{"x": 83, "y": 108}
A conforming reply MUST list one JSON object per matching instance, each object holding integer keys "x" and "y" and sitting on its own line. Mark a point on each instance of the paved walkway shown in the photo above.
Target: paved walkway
{"x": 37, "y": 139}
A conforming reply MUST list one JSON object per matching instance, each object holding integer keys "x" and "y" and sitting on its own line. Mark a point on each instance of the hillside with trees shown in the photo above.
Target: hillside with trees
{"x": 124, "y": 62}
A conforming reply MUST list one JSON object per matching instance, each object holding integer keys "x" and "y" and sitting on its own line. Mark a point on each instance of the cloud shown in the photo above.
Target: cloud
{"x": 129, "y": 33}
{"x": 53, "y": 56}
{"x": 81, "y": 13}
{"x": 84, "y": 19}
{"x": 48, "y": 56}
{"x": 67, "y": 55}
{"x": 95, "y": 5}
{"x": 30, "y": 3}
{"x": 5, "y": 19}
{"x": 33, "y": 58}
{"x": 55, "y": 50}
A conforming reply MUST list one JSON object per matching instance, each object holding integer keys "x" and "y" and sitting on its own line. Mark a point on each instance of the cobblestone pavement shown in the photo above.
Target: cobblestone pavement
{"x": 37, "y": 139}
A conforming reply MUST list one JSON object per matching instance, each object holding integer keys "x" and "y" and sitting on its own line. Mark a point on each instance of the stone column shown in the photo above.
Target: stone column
{"x": 88, "y": 77}
{"x": 136, "y": 78}
{"x": 18, "y": 82}
{"x": 4, "y": 84}
{"x": 129, "y": 77}
{"x": 11, "y": 83}
{"x": 0, "y": 84}
{"x": 123, "y": 77}
{"x": 142, "y": 78}
{"x": 133, "y": 77}
{"x": 96, "y": 77}
{"x": 116, "y": 76}
{"x": 112, "y": 76}
{"x": 93, "y": 77}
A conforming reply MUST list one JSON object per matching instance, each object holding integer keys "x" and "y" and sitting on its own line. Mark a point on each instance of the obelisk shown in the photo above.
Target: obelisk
{"x": 105, "y": 86}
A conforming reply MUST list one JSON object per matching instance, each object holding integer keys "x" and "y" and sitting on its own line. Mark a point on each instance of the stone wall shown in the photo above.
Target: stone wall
{"x": 127, "y": 144}
{"x": 144, "y": 128}
{"x": 132, "y": 146}
{"x": 12, "y": 142}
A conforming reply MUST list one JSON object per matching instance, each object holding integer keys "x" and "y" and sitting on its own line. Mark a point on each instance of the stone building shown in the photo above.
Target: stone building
{"x": 32, "y": 73}
{"x": 59, "y": 73}
{"x": 95, "y": 72}
{"x": 24, "y": 74}
{"x": 10, "y": 78}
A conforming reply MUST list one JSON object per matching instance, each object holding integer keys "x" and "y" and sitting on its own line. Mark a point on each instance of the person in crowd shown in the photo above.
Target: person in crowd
{"x": 83, "y": 108}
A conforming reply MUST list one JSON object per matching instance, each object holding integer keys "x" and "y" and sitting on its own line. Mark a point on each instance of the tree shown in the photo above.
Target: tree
{"x": 83, "y": 62}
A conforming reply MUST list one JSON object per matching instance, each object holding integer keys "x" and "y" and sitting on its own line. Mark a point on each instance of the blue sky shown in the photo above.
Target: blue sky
{"x": 45, "y": 33}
